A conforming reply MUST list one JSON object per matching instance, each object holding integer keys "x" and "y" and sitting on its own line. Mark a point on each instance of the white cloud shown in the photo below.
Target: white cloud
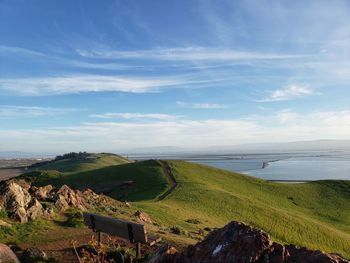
{"x": 90, "y": 83}
{"x": 201, "y": 105}
{"x": 119, "y": 136}
{"x": 185, "y": 54}
{"x": 155, "y": 116}
{"x": 7, "y": 111}
{"x": 19, "y": 50}
{"x": 290, "y": 92}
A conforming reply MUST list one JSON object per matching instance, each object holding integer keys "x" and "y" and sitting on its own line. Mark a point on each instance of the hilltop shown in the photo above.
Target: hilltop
{"x": 81, "y": 161}
{"x": 314, "y": 214}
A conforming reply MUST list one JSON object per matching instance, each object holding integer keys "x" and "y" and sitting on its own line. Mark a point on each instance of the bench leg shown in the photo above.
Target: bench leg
{"x": 99, "y": 238}
{"x": 138, "y": 250}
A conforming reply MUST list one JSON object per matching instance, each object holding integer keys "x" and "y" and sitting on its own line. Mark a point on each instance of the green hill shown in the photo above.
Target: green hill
{"x": 315, "y": 214}
{"x": 77, "y": 162}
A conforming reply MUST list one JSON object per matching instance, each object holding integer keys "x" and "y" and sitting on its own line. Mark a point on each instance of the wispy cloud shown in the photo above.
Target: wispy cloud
{"x": 19, "y": 50}
{"x": 201, "y": 105}
{"x": 118, "y": 136}
{"x": 185, "y": 54}
{"x": 289, "y": 93}
{"x": 7, "y": 111}
{"x": 91, "y": 83}
{"x": 155, "y": 116}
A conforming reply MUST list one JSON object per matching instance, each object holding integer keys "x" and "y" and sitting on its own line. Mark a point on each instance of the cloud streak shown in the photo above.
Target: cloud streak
{"x": 92, "y": 83}
{"x": 201, "y": 105}
{"x": 290, "y": 93}
{"x": 185, "y": 54}
{"x": 7, "y": 111}
{"x": 129, "y": 116}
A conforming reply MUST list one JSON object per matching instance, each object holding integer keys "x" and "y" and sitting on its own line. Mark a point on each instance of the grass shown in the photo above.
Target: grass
{"x": 124, "y": 182}
{"x": 315, "y": 214}
{"x": 93, "y": 161}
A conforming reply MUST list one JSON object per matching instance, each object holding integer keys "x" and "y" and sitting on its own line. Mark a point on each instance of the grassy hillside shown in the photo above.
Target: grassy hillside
{"x": 314, "y": 214}
{"x": 84, "y": 163}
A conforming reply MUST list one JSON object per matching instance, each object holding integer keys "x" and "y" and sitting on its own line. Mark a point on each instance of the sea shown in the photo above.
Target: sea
{"x": 284, "y": 167}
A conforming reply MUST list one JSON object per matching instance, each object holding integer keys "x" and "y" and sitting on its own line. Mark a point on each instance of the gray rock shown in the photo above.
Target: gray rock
{"x": 34, "y": 209}
{"x": 143, "y": 217}
{"x": 42, "y": 193}
{"x": 66, "y": 197}
{"x": 34, "y": 253}
{"x": 7, "y": 255}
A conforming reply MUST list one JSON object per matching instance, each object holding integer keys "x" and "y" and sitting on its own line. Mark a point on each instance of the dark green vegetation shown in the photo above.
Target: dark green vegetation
{"x": 315, "y": 214}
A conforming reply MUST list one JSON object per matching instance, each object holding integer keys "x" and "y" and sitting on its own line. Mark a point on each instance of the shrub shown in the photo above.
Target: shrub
{"x": 3, "y": 213}
{"x": 110, "y": 252}
{"x": 74, "y": 218}
{"x": 178, "y": 230}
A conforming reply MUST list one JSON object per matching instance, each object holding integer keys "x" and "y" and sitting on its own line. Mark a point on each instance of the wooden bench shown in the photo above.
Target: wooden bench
{"x": 135, "y": 233}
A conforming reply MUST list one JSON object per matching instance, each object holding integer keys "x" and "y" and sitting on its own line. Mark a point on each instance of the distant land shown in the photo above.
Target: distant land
{"x": 296, "y": 146}
{"x": 279, "y": 147}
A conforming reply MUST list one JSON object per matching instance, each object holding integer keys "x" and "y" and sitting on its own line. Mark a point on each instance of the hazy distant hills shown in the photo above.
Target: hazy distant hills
{"x": 298, "y": 146}
{"x": 317, "y": 145}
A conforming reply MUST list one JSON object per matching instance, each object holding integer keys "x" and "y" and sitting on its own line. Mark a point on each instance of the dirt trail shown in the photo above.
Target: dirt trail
{"x": 168, "y": 172}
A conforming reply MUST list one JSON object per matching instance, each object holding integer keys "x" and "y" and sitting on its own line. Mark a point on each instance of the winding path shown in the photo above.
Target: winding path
{"x": 171, "y": 178}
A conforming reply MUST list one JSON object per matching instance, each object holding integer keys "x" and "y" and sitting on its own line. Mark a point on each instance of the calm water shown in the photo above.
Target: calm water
{"x": 302, "y": 167}
{"x": 295, "y": 166}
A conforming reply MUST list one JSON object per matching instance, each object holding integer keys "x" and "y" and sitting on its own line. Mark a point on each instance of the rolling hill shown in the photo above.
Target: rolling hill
{"x": 77, "y": 162}
{"x": 315, "y": 214}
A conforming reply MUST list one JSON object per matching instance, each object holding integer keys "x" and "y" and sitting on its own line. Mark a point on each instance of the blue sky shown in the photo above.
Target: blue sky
{"x": 119, "y": 75}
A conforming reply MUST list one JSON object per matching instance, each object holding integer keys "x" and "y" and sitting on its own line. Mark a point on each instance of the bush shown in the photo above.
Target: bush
{"x": 110, "y": 252}
{"x": 178, "y": 230}
{"x": 3, "y": 213}
{"x": 74, "y": 218}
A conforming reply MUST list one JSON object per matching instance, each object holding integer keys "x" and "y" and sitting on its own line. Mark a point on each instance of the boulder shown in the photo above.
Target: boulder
{"x": 15, "y": 200}
{"x": 65, "y": 197}
{"x": 42, "y": 193}
{"x": 165, "y": 253}
{"x": 7, "y": 255}
{"x": 305, "y": 255}
{"x": 13, "y": 196}
{"x": 235, "y": 240}
{"x": 34, "y": 254}
{"x": 143, "y": 217}
{"x": 238, "y": 242}
{"x": 34, "y": 210}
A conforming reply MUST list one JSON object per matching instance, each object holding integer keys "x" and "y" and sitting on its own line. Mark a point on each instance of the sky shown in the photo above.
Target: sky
{"x": 113, "y": 75}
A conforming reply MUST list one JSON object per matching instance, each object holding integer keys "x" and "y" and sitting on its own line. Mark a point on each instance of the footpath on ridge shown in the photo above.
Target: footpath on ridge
{"x": 171, "y": 178}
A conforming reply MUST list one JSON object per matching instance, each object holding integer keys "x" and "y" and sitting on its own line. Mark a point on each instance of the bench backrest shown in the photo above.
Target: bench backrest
{"x": 135, "y": 233}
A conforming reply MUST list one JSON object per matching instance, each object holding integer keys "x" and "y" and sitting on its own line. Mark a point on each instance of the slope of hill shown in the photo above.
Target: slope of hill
{"x": 315, "y": 214}
{"x": 77, "y": 162}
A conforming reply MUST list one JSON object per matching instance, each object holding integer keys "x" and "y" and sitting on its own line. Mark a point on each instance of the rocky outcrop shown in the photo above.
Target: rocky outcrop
{"x": 7, "y": 255}
{"x": 42, "y": 193}
{"x": 34, "y": 254}
{"x": 143, "y": 217}
{"x": 65, "y": 197}
{"x": 35, "y": 209}
{"x": 15, "y": 200}
{"x": 238, "y": 242}
{"x": 22, "y": 201}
